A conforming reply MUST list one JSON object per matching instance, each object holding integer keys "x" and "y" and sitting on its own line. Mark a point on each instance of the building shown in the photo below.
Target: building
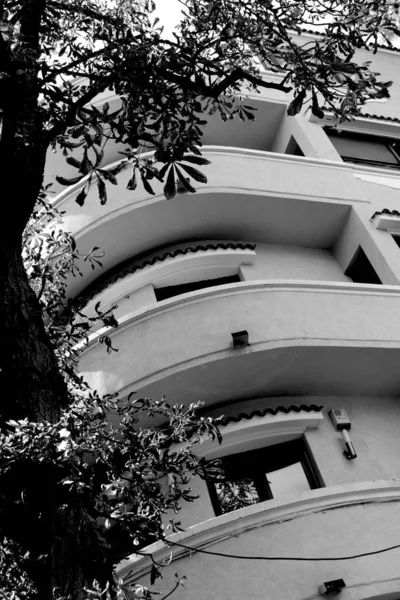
{"x": 273, "y": 296}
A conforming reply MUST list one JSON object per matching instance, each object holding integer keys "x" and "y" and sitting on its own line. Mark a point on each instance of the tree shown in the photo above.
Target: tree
{"x": 56, "y": 57}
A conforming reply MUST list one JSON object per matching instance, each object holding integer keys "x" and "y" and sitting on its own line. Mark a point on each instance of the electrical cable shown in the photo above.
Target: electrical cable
{"x": 292, "y": 558}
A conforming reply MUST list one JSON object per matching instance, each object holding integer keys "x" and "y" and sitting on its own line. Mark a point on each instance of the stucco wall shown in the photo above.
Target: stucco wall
{"x": 293, "y": 262}
{"x": 344, "y": 531}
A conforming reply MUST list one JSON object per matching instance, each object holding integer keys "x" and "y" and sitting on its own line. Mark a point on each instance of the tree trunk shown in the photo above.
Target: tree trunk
{"x": 30, "y": 381}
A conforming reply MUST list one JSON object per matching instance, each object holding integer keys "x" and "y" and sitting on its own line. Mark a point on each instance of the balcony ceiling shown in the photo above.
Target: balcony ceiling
{"x": 235, "y": 216}
{"x": 256, "y": 135}
{"x": 288, "y": 371}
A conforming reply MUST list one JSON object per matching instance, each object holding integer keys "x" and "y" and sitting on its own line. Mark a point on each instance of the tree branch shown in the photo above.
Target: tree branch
{"x": 240, "y": 74}
{"x": 68, "y": 66}
{"x": 215, "y": 90}
{"x": 68, "y": 120}
{"x": 84, "y": 10}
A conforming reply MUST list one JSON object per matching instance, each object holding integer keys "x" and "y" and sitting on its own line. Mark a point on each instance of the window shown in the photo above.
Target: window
{"x": 163, "y": 293}
{"x": 366, "y": 149}
{"x": 273, "y": 472}
{"x": 360, "y": 269}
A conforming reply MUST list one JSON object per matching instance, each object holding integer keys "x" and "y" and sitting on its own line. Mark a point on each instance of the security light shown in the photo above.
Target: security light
{"x": 240, "y": 339}
{"x": 342, "y": 423}
{"x": 331, "y": 588}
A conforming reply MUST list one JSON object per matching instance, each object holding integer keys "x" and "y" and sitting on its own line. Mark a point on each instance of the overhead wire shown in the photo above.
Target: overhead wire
{"x": 284, "y": 558}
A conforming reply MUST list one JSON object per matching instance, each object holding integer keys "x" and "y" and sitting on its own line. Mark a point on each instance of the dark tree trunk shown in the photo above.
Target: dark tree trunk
{"x": 30, "y": 380}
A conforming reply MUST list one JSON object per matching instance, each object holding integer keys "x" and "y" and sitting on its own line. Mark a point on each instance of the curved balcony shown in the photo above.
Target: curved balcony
{"x": 255, "y": 195}
{"x": 304, "y": 526}
{"x": 304, "y": 338}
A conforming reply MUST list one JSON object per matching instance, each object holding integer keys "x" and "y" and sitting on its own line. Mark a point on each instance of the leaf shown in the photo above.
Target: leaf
{"x": 170, "y": 184}
{"x": 80, "y": 199}
{"x": 65, "y": 181}
{"x": 197, "y": 160}
{"x": 154, "y": 574}
{"x": 118, "y": 168}
{"x": 197, "y": 175}
{"x": 185, "y": 182}
{"x": 318, "y": 112}
{"x": 194, "y": 149}
{"x": 162, "y": 171}
{"x": 249, "y": 115}
{"x": 108, "y": 175}
{"x": 315, "y": 109}
{"x": 74, "y": 162}
{"x": 101, "y": 186}
{"x": 132, "y": 183}
{"x": 295, "y": 106}
{"x": 146, "y": 184}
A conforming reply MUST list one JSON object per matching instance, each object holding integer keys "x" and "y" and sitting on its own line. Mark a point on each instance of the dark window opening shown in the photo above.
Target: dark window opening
{"x": 175, "y": 290}
{"x": 293, "y": 148}
{"x": 396, "y": 239}
{"x": 365, "y": 149}
{"x": 273, "y": 472}
{"x": 360, "y": 269}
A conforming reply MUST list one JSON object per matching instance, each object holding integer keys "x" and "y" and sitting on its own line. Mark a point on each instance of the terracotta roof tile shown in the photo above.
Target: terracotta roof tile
{"x": 271, "y": 411}
{"x": 128, "y": 269}
{"x": 386, "y": 211}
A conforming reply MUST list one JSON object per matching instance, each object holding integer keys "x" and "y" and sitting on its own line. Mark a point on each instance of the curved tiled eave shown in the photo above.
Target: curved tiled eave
{"x": 244, "y": 251}
{"x": 305, "y": 338}
{"x": 250, "y": 195}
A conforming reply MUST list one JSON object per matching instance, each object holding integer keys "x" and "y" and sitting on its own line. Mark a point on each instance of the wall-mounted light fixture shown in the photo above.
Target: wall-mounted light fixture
{"x": 342, "y": 423}
{"x": 240, "y": 339}
{"x": 331, "y": 588}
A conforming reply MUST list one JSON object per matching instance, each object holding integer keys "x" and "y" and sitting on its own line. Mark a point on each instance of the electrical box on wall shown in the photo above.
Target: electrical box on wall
{"x": 340, "y": 419}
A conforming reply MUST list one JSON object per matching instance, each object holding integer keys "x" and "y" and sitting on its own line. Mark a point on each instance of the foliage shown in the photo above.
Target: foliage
{"x": 96, "y": 461}
{"x": 112, "y": 478}
{"x": 103, "y": 479}
{"x": 168, "y": 87}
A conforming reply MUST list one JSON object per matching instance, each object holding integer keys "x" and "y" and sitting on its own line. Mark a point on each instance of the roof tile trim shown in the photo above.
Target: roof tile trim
{"x": 366, "y": 116}
{"x": 386, "y": 211}
{"x": 85, "y": 297}
{"x": 379, "y": 117}
{"x": 271, "y": 411}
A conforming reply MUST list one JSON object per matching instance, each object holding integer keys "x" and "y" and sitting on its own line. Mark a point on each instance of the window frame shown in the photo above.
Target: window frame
{"x": 251, "y": 464}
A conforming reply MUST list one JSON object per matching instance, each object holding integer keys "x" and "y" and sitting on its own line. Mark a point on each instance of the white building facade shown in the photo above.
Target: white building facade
{"x": 294, "y": 245}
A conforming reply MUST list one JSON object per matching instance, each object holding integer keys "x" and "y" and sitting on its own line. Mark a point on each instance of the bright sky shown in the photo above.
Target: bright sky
{"x": 169, "y": 13}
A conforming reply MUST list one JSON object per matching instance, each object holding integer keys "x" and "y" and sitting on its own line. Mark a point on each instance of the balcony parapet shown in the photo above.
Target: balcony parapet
{"x": 221, "y": 528}
{"x": 285, "y": 321}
